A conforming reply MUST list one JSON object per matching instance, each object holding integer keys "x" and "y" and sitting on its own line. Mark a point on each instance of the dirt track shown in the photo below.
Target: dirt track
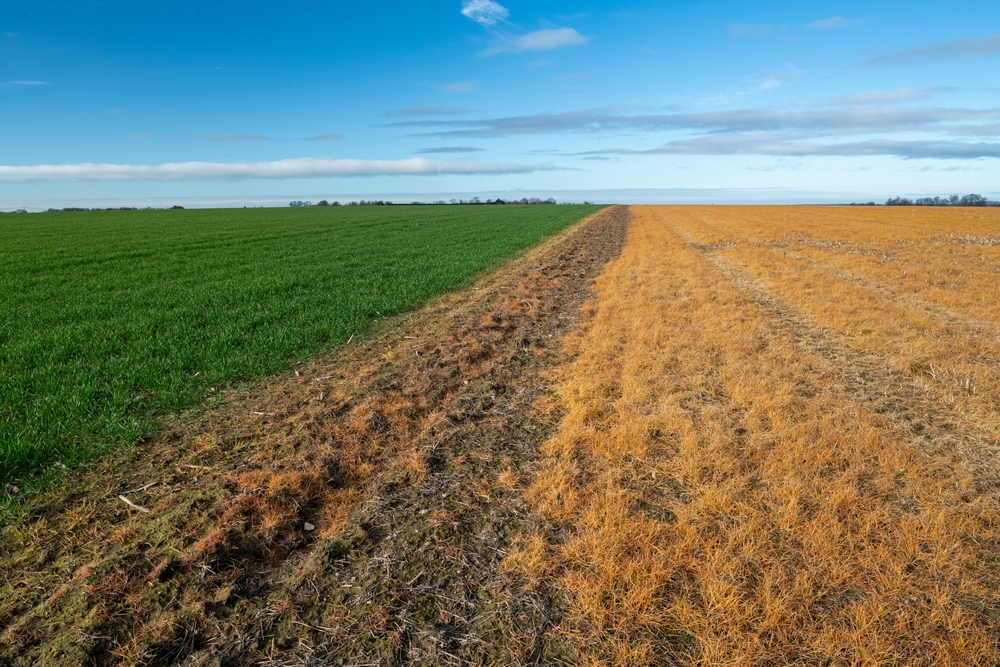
{"x": 355, "y": 511}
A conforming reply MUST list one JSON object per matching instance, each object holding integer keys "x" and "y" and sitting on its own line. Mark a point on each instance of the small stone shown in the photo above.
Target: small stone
{"x": 309, "y": 526}
{"x": 423, "y": 512}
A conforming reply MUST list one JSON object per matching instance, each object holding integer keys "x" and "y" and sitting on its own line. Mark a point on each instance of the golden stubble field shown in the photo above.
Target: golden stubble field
{"x": 780, "y": 442}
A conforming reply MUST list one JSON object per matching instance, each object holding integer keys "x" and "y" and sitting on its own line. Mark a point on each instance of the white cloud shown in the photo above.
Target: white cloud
{"x": 279, "y": 169}
{"x": 546, "y": 40}
{"x": 329, "y": 136}
{"x": 827, "y": 24}
{"x": 484, "y": 12}
{"x": 842, "y": 120}
{"x": 540, "y": 40}
{"x": 23, "y": 84}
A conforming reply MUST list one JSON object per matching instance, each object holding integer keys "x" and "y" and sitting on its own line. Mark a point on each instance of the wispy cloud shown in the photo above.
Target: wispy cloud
{"x": 488, "y": 13}
{"x": 828, "y": 24}
{"x": 460, "y": 86}
{"x": 778, "y": 145}
{"x": 844, "y": 130}
{"x": 23, "y": 84}
{"x": 987, "y": 130}
{"x": 856, "y": 120}
{"x": 746, "y": 30}
{"x": 329, "y": 136}
{"x": 418, "y": 112}
{"x": 231, "y": 137}
{"x": 280, "y": 169}
{"x": 449, "y": 149}
{"x": 972, "y": 47}
{"x": 890, "y": 96}
{"x": 484, "y": 12}
{"x": 540, "y": 40}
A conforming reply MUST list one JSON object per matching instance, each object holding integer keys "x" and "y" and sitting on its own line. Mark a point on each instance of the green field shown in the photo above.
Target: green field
{"x": 110, "y": 321}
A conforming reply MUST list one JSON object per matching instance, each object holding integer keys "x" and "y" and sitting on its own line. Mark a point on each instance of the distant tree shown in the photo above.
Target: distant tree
{"x": 177, "y": 208}
{"x": 323, "y": 202}
{"x": 954, "y": 200}
{"x": 973, "y": 200}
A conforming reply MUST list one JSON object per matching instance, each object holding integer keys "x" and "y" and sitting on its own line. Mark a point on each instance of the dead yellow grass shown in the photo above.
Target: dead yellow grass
{"x": 946, "y": 257}
{"x": 949, "y": 353}
{"x": 728, "y": 491}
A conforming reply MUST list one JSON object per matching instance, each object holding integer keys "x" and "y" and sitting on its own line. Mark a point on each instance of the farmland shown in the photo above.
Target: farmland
{"x": 110, "y": 321}
{"x": 666, "y": 435}
{"x": 780, "y": 442}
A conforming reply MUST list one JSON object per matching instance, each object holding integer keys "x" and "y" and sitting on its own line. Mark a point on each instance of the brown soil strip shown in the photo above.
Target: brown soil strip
{"x": 354, "y": 512}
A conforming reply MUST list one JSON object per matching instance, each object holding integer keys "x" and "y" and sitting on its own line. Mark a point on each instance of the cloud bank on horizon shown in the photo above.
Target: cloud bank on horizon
{"x": 900, "y": 99}
{"x": 277, "y": 169}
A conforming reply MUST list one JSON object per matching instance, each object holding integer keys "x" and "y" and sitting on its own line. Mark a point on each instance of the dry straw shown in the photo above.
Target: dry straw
{"x": 755, "y": 468}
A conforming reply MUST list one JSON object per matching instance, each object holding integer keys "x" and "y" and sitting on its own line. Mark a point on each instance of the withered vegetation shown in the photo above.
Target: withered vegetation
{"x": 781, "y": 443}
{"x": 355, "y": 509}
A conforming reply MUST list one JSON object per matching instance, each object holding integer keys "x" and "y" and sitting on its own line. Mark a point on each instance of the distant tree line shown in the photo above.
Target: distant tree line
{"x": 954, "y": 200}
{"x": 75, "y": 209}
{"x": 299, "y": 204}
{"x": 474, "y": 201}
{"x": 122, "y": 208}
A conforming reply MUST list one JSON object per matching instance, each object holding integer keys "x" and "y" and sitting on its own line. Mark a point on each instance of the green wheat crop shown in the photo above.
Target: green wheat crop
{"x": 111, "y": 320}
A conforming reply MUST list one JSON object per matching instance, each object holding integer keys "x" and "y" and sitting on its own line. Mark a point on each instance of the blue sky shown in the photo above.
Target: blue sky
{"x": 115, "y": 101}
